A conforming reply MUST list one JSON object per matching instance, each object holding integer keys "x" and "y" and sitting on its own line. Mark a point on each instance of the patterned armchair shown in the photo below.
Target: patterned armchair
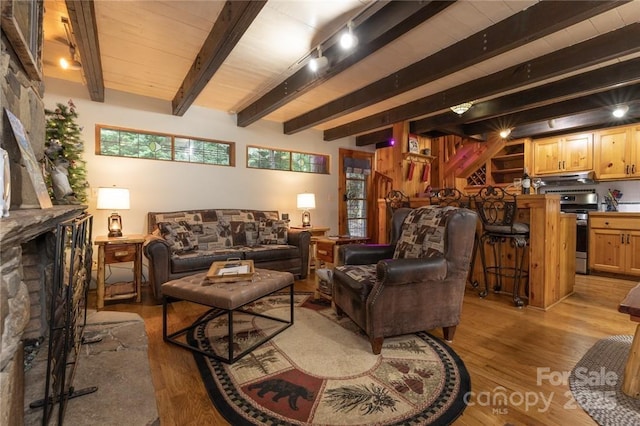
{"x": 416, "y": 283}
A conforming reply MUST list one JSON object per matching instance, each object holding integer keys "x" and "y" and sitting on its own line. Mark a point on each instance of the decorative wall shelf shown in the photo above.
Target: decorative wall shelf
{"x": 414, "y": 156}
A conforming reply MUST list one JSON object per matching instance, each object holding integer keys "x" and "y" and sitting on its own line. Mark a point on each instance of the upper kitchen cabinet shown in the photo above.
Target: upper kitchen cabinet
{"x": 572, "y": 153}
{"x": 617, "y": 153}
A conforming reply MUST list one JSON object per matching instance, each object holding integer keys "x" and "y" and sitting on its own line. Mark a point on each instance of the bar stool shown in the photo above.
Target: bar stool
{"x": 497, "y": 211}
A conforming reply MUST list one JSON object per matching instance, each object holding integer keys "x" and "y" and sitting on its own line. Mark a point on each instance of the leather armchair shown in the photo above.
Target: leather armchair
{"x": 416, "y": 283}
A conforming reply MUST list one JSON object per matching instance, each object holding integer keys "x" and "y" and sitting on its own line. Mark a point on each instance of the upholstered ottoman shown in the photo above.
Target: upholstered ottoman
{"x": 226, "y": 298}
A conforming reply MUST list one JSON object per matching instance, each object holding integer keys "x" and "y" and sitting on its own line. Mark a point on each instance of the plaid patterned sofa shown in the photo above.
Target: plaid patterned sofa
{"x": 186, "y": 242}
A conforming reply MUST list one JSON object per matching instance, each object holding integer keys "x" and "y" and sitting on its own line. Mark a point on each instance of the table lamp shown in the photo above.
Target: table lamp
{"x": 113, "y": 199}
{"x": 306, "y": 202}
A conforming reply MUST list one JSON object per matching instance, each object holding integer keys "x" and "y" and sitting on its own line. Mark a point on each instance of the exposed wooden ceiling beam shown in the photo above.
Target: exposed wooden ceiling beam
{"x": 372, "y": 138}
{"x": 234, "y": 19}
{"x": 577, "y": 123}
{"x": 82, "y": 17}
{"x": 606, "y": 100}
{"x": 385, "y": 25}
{"x": 615, "y": 75}
{"x": 524, "y": 27}
{"x": 596, "y": 50}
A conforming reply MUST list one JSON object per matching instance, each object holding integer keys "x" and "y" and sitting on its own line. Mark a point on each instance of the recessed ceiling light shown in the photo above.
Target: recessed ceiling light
{"x": 505, "y": 133}
{"x": 620, "y": 111}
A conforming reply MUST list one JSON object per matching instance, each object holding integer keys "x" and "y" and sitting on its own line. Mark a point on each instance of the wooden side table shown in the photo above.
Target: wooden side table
{"x": 327, "y": 253}
{"x": 119, "y": 250}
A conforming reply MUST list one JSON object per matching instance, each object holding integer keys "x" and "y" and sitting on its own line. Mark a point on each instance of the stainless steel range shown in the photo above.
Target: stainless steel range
{"x": 581, "y": 202}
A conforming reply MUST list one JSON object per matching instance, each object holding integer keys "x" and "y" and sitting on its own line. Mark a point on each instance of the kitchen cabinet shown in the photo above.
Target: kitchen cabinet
{"x": 572, "y": 153}
{"x": 614, "y": 243}
{"x": 617, "y": 153}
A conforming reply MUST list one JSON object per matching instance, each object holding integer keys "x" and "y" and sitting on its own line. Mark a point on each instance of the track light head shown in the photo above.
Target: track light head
{"x": 348, "y": 40}
{"x": 318, "y": 63}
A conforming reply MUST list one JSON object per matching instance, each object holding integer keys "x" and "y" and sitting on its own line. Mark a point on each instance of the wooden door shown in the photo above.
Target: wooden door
{"x": 546, "y": 156}
{"x": 356, "y": 201}
{"x": 606, "y": 250}
{"x": 577, "y": 152}
{"x": 612, "y": 151}
{"x": 632, "y": 242}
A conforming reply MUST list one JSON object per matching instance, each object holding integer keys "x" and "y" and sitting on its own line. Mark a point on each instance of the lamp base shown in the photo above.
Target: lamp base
{"x": 114, "y": 225}
{"x": 306, "y": 219}
{"x": 115, "y": 234}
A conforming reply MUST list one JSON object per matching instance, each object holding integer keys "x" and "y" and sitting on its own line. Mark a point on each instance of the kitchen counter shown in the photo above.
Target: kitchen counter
{"x": 551, "y": 247}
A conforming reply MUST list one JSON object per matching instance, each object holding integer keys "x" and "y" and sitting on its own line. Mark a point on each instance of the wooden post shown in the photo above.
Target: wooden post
{"x": 631, "y": 381}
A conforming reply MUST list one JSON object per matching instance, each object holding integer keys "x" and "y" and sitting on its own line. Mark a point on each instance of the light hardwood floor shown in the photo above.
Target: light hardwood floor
{"x": 503, "y": 348}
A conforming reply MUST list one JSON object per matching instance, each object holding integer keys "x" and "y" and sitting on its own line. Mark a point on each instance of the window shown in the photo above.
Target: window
{"x": 120, "y": 142}
{"x": 267, "y": 158}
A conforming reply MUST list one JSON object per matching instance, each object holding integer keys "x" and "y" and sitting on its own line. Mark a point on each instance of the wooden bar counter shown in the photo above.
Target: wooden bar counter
{"x": 551, "y": 253}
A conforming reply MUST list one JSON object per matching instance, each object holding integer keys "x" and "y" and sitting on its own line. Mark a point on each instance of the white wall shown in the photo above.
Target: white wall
{"x": 166, "y": 186}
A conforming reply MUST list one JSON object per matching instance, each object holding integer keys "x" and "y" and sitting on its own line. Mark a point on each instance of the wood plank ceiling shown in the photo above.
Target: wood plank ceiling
{"x": 523, "y": 63}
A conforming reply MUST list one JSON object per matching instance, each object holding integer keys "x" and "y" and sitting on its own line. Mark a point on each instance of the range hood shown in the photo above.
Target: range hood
{"x": 582, "y": 178}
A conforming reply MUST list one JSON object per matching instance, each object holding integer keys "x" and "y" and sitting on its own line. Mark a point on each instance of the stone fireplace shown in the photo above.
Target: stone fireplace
{"x": 26, "y": 237}
{"x": 27, "y": 240}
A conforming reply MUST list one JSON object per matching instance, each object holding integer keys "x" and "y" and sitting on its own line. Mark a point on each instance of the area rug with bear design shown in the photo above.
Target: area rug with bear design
{"x": 321, "y": 371}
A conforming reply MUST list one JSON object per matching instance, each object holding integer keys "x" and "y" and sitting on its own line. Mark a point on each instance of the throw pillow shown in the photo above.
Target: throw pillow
{"x": 179, "y": 236}
{"x": 422, "y": 233}
{"x": 244, "y": 233}
{"x": 274, "y": 232}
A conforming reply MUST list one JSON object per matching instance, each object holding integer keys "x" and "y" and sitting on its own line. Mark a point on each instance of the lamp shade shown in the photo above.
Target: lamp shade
{"x": 306, "y": 201}
{"x": 113, "y": 198}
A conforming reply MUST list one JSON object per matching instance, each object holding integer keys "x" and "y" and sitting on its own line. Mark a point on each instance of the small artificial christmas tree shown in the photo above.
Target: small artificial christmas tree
{"x": 67, "y": 172}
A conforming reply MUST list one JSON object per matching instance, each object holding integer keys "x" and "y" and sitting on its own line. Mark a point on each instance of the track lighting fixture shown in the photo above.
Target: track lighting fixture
{"x": 348, "y": 40}
{"x": 318, "y": 63}
{"x": 70, "y": 63}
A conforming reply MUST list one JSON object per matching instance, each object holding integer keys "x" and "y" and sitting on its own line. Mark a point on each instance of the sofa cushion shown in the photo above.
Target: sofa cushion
{"x": 198, "y": 260}
{"x": 271, "y": 252}
{"x": 357, "y": 279}
{"x": 422, "y": 233}
{"x": 220, "y": 228}
{"x": 273, "y": 231}
{"x": 179, "y": 235}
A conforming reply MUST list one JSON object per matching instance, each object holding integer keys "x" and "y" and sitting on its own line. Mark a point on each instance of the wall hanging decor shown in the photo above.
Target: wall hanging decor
{"x": 410, "y": 170}
{"x": 29, "y": 161}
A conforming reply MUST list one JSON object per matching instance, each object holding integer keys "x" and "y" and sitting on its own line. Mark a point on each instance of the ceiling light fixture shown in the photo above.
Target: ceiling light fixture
{"x": 462, "y": 108}
{"x": 318, "y": 63}
{"x": 348, "y": 40}
{"x": 620, "y": 111}
{"x": 505, "y": 133}
{"x": 71, "y": 63}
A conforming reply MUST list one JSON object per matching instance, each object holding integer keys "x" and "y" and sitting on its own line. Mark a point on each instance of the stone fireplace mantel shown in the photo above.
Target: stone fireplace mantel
{"x": 24, "y": 225}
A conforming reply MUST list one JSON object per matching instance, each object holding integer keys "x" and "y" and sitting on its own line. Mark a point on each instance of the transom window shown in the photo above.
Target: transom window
{"x": 119, "y": 142}
{"x": 274, "y": 159}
